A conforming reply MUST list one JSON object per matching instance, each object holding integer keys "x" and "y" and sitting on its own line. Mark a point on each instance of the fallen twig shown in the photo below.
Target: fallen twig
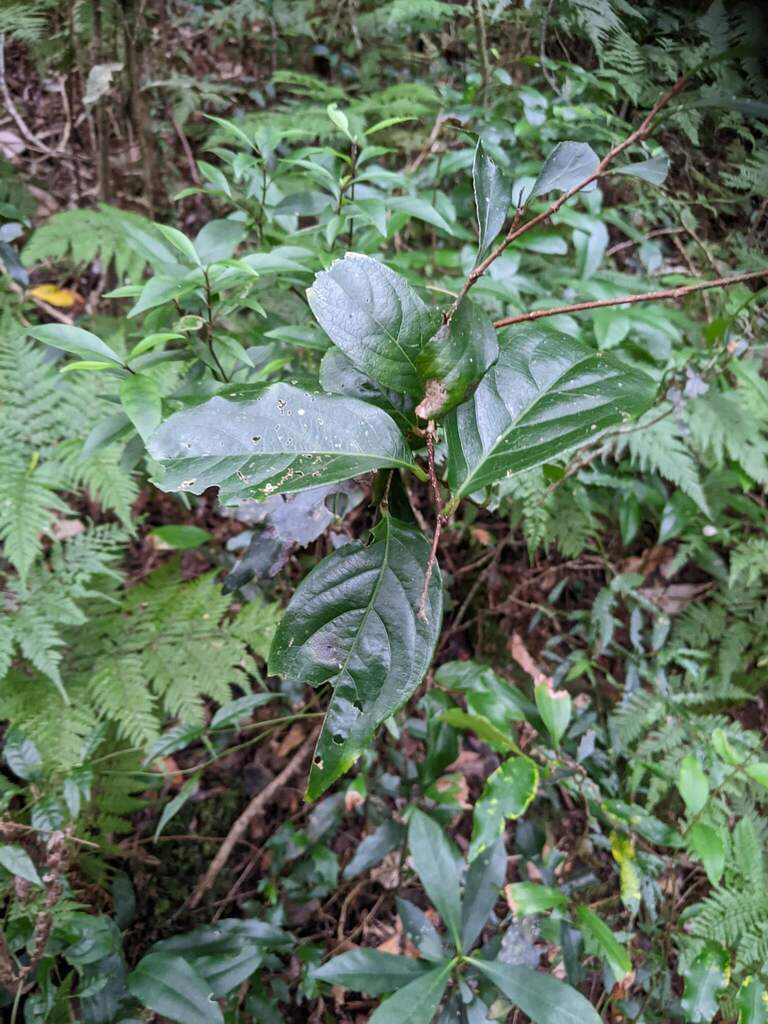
{"x": 256, "y": 805}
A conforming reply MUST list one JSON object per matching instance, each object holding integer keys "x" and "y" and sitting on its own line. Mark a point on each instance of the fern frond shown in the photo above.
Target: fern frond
{"x": 658, "y": 448}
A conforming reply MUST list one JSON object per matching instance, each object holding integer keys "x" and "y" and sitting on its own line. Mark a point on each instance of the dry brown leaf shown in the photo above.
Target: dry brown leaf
{"x": 522, "y": 656}
{"x": 292, "y": 739}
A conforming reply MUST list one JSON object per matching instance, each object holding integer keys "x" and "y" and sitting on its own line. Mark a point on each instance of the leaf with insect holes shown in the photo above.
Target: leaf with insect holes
{"x": 353, "y": 622}
{"x": 374, "y": 316}
{"x": 492, "y": 198}
{"x": 274, "y": 439}
{"x": 454, "y": 361}
{"x": 546, "y": 394}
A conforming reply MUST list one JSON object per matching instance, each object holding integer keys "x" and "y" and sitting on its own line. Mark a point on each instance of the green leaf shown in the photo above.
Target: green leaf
{"x": 85, "y": 365}
{"x": 707, "y": 844}
{"x": 506, "y": 795}
{"x": 284, "y": 439}
{"x": 606, "y": 942}
{"x": 141, "y": 399}
{"x": 340, "y": 376}
{"x": 654, "y": 170}
{"x": 420, "y": 930}
{"x": 168, "y": 985}
{"x": 454, "y": 361}
{"x": 353, "y": 622}
{"x": 16, "y": 860}
{"x": 372, "y": 972}
{"x": 722, "y": 747}
{"x": 544, "y": 999}
{"x": 218, "y": 239}
{"x": 420, "y": 209}
{"x": 235, "y": 711}
{"x": 485, "y": 730}
{"x": 339, "y": 118}
{"x": 546, "y": 394}
{"x": 758, "y": 773}
{"x": 376, "y": 318}
{"x": 752, "y": 1002}
{"x": 180, "y": 242}
{"x": 555, "y": 709}
{"x": 174, "y": 805}
{"x": 705, "y": 979}
{"x": 531, "y": 898}
{"x": 417, "y": 1003}
{"x": 485, "y": 878}
{"x": 567, "y": 165}
{"x": 438, "y": 865}
{"x": 153, "y": 341}
{"x": 492, "y": 198}
{"x": 693, "y": 785}
{"x": 75, "y": 340}
{"x": 181, "y": 538}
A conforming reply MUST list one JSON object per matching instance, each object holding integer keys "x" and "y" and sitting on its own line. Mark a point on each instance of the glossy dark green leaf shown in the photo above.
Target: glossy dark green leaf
{"x": 506, "y": 795}
{"x": 372, "y": 972}
{"x": 454, "y": 361}
{"x": 606, "y": 942}
{"x": 420, "y": 930}
{"x": 544, "y": 999}
{"x": 546, "y": 395}
{"x": 567, "y": 165}
{"x": 497, "y": 739}
{"x": 226, "y": 953}
{"x": 167, "y": 984}
{"x": 353, "y": 622}
{"x": 417, "y": 1003}
{"x": 705, "y": 979}
{"x": 485, "y": 878}
{"x": 492, "y": 198}
{"x": 376, "y": 318}
{"x": 439, "y": 866}
{"x": 340, "y": 376}
{"x": 654, "y": 170}
{"x": 284, "y": 439}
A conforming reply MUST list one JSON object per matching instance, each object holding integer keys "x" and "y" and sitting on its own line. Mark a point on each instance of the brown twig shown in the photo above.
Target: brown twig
{"x": 516, "y": 229}
{"x": 667, "y": 293}
{"x": 431, "y": 435}
{"x": 256, "y": 805}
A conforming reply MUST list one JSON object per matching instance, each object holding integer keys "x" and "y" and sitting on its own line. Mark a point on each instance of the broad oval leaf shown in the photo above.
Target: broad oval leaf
{"x": 171, "y": 987}
{"x": 15, "y": 859}
{"x": 455, "y": 359}
{"x": 285, "y": 439}
{"x": 142, "y": 402}
{"x": 567, "y": 165}
{"x": 374, "y": 316}
{"x": 707, "y": 844}
{"x": 370, "y": 971}
{"x": 340, "y": 376}
{"x": 417, "y": 1003}
{"x": 546, "y": 395}
{"x": 75, "y": 340}
{"x": 506, "y": 795}
{"x": 543, "y": 998}
{"x": 353, "y": 622}
{"x": 492, "y": 198}
{"x": 654, "y": 170}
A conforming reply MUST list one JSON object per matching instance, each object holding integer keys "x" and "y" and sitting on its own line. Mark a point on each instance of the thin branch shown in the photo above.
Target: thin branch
{"x": 240, "y": 826}
{"x": 627, "y": 300}
{"x": 516, "y": 229}
{"x": 421, "y": 614}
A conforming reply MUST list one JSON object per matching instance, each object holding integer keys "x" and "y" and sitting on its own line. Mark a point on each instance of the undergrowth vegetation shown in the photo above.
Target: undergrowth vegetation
{"x": 382, "y": 534}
